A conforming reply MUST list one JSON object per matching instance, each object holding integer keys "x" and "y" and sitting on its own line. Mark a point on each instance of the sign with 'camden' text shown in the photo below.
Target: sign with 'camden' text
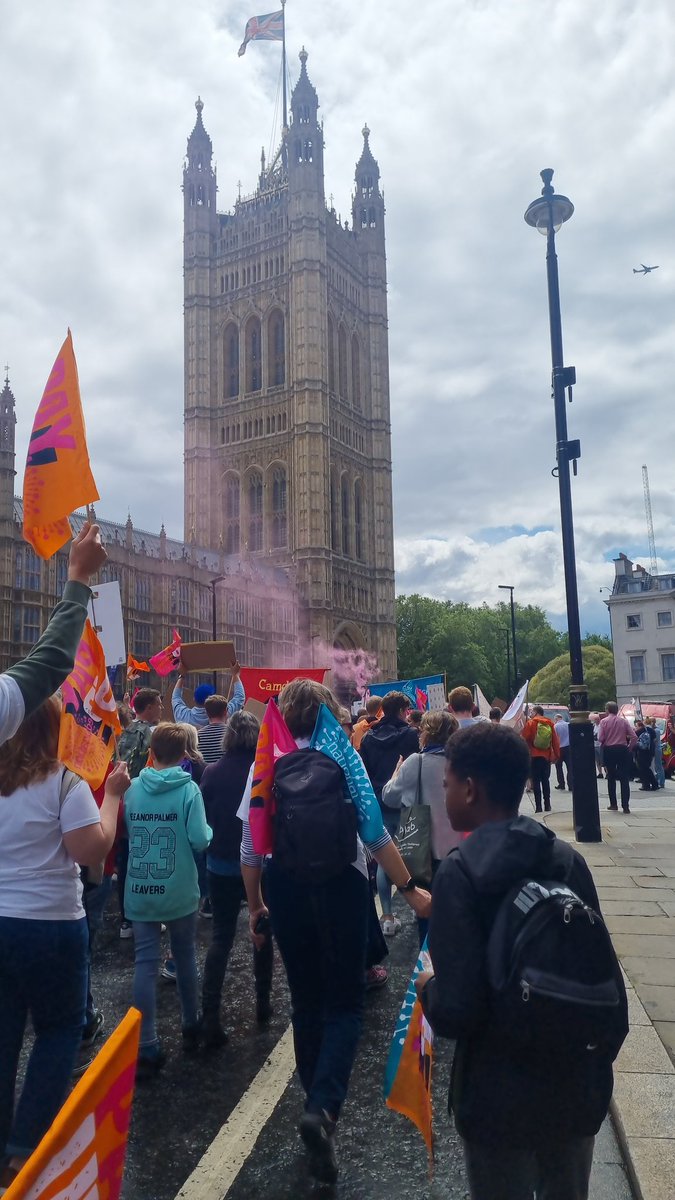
{"x": 264, "y": 684}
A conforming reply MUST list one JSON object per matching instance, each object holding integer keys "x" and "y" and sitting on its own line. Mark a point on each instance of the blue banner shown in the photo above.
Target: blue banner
{"x": 426, "y": 692}
{"x": 330, "y": 738}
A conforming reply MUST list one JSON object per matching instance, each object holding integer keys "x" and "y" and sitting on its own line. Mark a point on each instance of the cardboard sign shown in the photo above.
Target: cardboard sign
{"x": 207, "y": 656}
{"x": 256, "y": 707}
{"x": 105, "y": 613}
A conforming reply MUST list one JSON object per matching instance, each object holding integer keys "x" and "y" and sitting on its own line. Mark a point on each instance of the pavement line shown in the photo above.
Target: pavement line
{"x": 218, "y": 1168}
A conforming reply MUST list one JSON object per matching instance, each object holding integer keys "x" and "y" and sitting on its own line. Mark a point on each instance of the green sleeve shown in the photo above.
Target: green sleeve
{"x": 51, "y": 659}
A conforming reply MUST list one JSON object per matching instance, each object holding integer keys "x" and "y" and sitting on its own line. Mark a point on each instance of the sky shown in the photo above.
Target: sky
{"x": 467, "y": 100}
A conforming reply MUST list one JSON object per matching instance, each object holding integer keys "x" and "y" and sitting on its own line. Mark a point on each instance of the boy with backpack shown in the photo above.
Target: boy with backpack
{"x": 134, "y": 747}
{"x": 525, "y": 978}
{"x": 165, "y": 821}
{"x": 544, "y": 744}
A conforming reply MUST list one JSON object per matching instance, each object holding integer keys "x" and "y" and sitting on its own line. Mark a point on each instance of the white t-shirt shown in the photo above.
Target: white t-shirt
{"x": 38, "y": 878}
{"x": 12, "y": 707}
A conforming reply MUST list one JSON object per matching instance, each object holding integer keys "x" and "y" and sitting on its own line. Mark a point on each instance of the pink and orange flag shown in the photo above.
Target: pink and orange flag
{"x": 407, "y": 1077}
{"x": 89, "y": 720}
{"x": 82, "y": 1154}
{"x": 58, "y": 476}
{"x": 274, "y": 739}
{"x": 134, "y": 665}
{"x": 168, "y": 659}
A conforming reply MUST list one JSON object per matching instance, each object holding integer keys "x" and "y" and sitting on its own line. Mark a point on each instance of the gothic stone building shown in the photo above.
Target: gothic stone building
{"x": 287, "y": 436}
{"x": 288, "y": 510}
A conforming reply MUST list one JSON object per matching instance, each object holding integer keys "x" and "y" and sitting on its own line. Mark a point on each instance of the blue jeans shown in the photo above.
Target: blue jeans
{"x": 321, "y": 931}
{"x": 147, "y": 956}
{"x": 43, "y": 972}
{"x": 391, "y": 818}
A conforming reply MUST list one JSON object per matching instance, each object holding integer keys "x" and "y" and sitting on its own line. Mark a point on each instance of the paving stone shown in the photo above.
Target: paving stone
{"x": 636, "y": 1011}
{"x": 633, "y": 908}
{"x": 668, "y": 907}
{"x": 613, "y": 877}
{"x": 654, "y": 1162}
{"x": 659, "y": 1002}
{"x": 644, "y": 1051}
{"x": 666, "y": 1031}
{"x": 640, "y": 924}
{"x": 644, "y": 945}
{"x": 649, "y": 881}
{"x": 649, "y": 970}
{"x": 646, "y": 1103}
{"x": 656, "y": 895}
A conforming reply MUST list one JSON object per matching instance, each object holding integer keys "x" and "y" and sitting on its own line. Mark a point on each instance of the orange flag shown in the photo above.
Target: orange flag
{"x": 89, "y": 717}
{"x": 274, "y": 739}
{"x": 58, "y": 476}
{"x": 134, "y": 665}
{"x": 407, "y": 1077}
{"x": 82, "y": 1154}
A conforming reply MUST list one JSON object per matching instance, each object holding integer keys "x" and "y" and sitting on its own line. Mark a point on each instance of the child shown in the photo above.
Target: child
{"x": 528, "y": 1120}
{"x": 165, "y": 820}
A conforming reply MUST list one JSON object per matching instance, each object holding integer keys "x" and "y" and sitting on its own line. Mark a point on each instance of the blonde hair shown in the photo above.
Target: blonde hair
{"x": 299, "y": 704}
{"x": 437, "y": 726}
{"x": 168, "y": 744}
{"x": 30, "y": 755}
{"x": 192, "y": 750}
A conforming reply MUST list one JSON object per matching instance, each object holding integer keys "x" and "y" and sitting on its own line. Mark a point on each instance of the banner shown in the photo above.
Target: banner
{"x": 481, "y": 703}
{"x": 274, "y": 739}
{"x": 105, "y": 614}
{"x": 82, "y": 1154}
{"x": 89, "y": 720}
{"x": 425, "y": 693}
{"x": 168, "y": 659}
{"x": 261, "y": 684}
{"x": 407, "y": 1076}
{"x": 515, "y": 713}
{"x": 58, "y": 476}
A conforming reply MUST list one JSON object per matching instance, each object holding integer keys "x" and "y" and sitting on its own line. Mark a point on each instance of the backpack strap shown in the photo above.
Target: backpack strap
{"x": 418, "y": 790}
{"x": 69, "y": 780}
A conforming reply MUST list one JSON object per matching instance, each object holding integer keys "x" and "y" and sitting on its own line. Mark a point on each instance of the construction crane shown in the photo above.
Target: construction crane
{"x": 653, "y": 566}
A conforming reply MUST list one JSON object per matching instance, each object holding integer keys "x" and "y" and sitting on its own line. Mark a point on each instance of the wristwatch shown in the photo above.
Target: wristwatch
{"x": 409, "y": 886}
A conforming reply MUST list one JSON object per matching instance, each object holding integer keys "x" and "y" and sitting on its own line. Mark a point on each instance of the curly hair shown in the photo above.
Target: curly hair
{"x": 495, "y": 757}
{"x": 299, "y": 704}
{"x": 30, "y": 755}
{"x": 437, "y": 726}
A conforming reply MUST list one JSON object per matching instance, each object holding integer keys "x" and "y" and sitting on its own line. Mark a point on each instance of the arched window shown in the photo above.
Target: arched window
{"x": 344, "y": 505}
{"x": 279, "y": 508}
{"x": 371, "y": 218}
{"x": 334, "y": 524}
{"x": 231, "y": 510}
{"x": 367, "y": 187}
{"x": 342, "y": 362}
{"x": 298, "y": 150}
{"x": 356, "y": 372}
{"x": 309, "y": 150}
{"x": 358, "y": 519}
{"x": 330, "y": 332}
{"x": 255, "y": 511}
{"x": 276, "y": 349}
{"x": 253, "y": 356}
{"x": 231, "y": 361}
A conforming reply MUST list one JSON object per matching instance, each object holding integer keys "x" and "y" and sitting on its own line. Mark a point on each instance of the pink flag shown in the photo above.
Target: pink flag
{"x": 274, "y": 739}
{"x": 168, "y": 659}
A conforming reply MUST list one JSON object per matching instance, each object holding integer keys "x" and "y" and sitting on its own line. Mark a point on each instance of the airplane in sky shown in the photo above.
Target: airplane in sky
{"x": 643, "y": 270}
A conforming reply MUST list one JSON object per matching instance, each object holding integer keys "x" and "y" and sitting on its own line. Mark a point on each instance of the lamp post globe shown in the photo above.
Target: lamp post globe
{"x": 547, "y": 214}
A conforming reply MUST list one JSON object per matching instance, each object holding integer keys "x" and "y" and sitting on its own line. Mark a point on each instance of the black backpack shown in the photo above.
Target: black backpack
{"x": 556, "y": 984}
{"x": 134, "y": 746}
{"x": 315, "y": 827}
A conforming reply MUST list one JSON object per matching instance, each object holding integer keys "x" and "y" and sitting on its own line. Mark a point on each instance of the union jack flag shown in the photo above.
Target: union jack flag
{"x": 269, "y": 28}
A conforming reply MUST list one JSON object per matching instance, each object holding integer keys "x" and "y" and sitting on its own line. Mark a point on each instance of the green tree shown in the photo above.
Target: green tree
{"x": 552, "y": 683}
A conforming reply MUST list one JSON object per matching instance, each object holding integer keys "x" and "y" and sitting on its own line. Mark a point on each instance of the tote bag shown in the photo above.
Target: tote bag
{"x": 414, "y": 835}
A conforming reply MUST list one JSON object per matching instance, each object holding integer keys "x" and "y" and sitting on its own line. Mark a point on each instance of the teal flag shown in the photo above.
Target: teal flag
{"x": 330, "y": 738}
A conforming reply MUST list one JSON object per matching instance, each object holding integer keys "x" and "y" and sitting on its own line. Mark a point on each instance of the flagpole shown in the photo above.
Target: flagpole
{"x": 283, "y": 64}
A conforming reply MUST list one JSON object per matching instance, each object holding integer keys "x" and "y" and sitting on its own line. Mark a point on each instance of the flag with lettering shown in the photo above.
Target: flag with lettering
{"x": 89, "y": 720}
{"x": 58, "y": 476}
{"x": 274, "y": 739}
{"x": 82, "y": 1154}
{"x": 168, "y": 659}
{"x": 269, "y": 28}
{"x": 330, "y": 738}
{"x": 407, "y": 1077}
{"x": 134, "y": 665}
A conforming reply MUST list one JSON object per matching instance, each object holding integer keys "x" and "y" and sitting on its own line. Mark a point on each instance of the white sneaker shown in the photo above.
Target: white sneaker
{"x": 390, "y": 926}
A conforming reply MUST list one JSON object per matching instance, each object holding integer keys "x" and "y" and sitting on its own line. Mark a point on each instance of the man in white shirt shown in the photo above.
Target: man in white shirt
{"x": 563, "y": 731}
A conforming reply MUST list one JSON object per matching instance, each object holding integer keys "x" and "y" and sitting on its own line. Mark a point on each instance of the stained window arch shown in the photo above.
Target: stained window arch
{"x": 255, "y": 511}
{"x": 356, "y": 372}
{"x": 276, "y": 349}
{"x": 231, "y": 361}
{"x": 279, "y": 514}
{"x": 253, "y": 356}
{"x": 231, "y": 514}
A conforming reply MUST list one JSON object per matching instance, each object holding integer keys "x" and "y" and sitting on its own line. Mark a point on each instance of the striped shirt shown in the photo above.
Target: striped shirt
{"x": 210, "y": 738}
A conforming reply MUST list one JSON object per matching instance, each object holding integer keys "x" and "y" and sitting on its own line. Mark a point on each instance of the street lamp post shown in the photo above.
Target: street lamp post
{"x": 214, "y": 623}
{"x": 507, "y": 587}
{"x": 546, "y": 214}
{"x": 509, "y": 694}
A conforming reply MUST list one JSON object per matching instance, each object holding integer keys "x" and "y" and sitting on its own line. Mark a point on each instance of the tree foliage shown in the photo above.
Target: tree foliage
{"x": 552, "y": 682}
{"x": 469, "y": 644}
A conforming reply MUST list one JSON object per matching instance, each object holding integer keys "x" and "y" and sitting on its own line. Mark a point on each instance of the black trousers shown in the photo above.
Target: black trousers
{"x": 540, "y": 773}
{"x": 562, "y": 765}
{"x": 644, "y": 766}
{"x": 226, "y": 893}
{"x": 618, "y": 765}
{"x": 552, "y": 1172}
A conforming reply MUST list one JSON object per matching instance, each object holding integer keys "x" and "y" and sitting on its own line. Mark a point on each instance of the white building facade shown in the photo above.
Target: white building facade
{"x": 642, "y": 619}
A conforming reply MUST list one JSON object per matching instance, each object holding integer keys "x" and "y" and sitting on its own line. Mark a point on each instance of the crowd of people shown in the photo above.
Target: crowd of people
{"x": 174, "y": 825}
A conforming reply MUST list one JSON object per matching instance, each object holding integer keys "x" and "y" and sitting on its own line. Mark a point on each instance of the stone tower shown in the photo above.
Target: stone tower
{"x": 287, "y": 435}
{"x": 7, "y": 452}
